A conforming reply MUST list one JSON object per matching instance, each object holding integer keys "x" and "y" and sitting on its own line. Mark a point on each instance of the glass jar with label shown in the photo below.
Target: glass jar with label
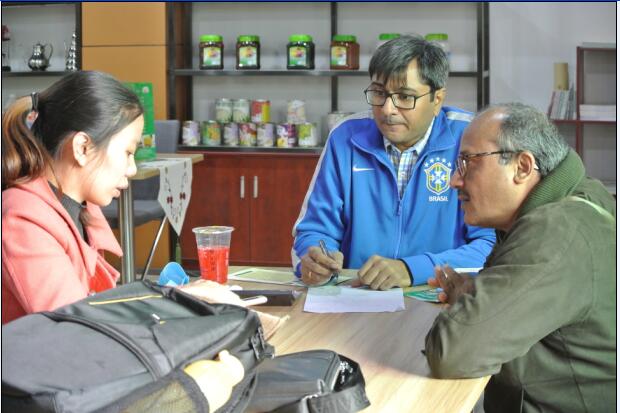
{"x": 386, "y": 37}
{"x": 300, "y": 52}
{"x": 248, "y": 52}
{"x": 441, "y": 39}
{"x": 211, "y": 51}
{"x": 344, "y": 52}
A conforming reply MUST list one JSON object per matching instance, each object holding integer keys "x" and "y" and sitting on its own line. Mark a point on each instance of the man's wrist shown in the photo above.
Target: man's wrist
{"x": 408, "y": 271}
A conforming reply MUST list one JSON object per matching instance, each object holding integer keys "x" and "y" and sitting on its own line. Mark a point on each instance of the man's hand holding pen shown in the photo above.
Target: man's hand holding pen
{"x": 318, "y": 265}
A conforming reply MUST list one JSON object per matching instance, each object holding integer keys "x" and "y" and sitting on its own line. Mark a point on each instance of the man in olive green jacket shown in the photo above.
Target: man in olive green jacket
{"x": 541, "y": 316}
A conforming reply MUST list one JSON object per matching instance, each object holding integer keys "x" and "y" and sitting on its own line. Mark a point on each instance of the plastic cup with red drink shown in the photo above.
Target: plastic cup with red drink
{"x": 213, "y": 244}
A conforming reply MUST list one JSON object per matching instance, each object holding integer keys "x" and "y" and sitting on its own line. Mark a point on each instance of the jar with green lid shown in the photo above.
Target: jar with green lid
{"x": 300, "y": 52}
{"x": 211, "y": 51}
{"x": 344, "y": 52}
{"x": 441, "y": 39}
{"x": 248, "y": 52}
{"x": 386, "y": 37}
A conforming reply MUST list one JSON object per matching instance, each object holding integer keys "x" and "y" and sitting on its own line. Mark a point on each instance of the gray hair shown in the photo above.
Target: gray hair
{"x": 525, "y": 128}
{"x": 391, "y": 60}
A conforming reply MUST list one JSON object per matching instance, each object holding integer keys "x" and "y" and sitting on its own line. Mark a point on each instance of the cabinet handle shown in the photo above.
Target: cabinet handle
{"x": 255, "y": 186}
{"x": 242, "y": 187}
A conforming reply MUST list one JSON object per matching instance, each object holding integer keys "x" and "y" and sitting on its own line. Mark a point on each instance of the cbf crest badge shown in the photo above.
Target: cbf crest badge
{"x": 438, "y": 172}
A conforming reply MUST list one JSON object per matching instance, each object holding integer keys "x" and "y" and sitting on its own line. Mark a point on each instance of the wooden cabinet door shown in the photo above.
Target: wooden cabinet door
{"x": 217, "y": 199}
{"x": 132, "y": 64}
{"x": 123, "y": 23}
{"x": 278, "y": 186}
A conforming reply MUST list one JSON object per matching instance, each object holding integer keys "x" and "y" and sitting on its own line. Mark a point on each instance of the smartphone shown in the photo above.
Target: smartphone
{"x": 274, "y": 297}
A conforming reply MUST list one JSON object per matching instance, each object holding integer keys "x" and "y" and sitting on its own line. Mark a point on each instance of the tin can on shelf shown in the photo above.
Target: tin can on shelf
{"x": 191, "y": 135}
{"x": 241, "y": 110}
{"x": 247, "y": 134}
{"x": 265, "y": 133}
{"x": 307, "y": 135}
{"x": 286, "y": 135}
{"x": 260, "y": 111}
{"x": 230, "y": 137}
{"x": 334, "y": 117}
{"x": 223, "y": 110}
{"x": 211, "y": 132}
{"x": 295, "y": 111}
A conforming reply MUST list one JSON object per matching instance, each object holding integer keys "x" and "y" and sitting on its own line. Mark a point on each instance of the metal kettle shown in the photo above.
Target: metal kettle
{"x": 38, "y": 60}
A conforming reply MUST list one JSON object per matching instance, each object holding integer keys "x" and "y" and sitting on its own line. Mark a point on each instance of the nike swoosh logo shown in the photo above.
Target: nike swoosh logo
{"x": 356, "y": 169}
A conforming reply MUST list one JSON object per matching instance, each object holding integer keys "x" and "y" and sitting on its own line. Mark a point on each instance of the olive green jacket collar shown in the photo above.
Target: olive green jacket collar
{"x": 558, "y": 184}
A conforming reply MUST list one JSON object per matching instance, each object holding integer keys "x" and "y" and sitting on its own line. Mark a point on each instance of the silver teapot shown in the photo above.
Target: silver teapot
{"x": 38, "y": 60}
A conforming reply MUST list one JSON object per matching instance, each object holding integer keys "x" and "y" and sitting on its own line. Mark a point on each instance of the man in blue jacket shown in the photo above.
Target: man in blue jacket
{"x": 380, "y": 196}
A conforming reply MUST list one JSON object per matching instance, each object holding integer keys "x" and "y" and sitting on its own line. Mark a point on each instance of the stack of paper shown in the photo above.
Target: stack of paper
{"x": 597, "y": 112}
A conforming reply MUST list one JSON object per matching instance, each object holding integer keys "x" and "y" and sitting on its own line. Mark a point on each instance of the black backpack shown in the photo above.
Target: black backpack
{"x": 124, "y": 350}
{"x": 313, "y": 381}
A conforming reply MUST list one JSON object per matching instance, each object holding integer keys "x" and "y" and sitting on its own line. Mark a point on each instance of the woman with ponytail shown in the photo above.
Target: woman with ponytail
{"x": 76, "y": 156}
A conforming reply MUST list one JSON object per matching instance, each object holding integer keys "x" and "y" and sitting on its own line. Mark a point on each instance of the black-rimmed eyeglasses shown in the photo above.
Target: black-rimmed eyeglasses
{"x": 462, "y": 159}
{"x": 377, "y": 97}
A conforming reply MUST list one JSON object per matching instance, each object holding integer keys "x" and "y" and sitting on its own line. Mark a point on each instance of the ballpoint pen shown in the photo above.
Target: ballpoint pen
{"x": 324, "y": 251}
{"x": 443, "y": 270}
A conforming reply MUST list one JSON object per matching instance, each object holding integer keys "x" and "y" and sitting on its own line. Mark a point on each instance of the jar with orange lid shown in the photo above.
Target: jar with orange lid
{"x": 344, "y": 52}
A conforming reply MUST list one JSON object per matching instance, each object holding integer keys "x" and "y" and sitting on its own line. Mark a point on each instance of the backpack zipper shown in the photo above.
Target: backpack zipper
{"x": 345, "y": 370}
{"x": 259, "y": 345}
{"x": 112, "y": 333}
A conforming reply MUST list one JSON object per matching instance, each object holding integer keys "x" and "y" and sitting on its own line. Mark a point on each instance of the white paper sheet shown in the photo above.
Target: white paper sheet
{"x": 337, "y": 299}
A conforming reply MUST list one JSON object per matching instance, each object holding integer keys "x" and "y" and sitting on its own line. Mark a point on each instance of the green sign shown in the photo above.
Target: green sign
{"x": 147, "y": 147}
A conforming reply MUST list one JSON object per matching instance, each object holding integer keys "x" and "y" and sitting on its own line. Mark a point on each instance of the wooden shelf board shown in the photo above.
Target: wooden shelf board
{"x": 578, "y": 121}
{"x": 597, "y": 49}
{"x": 34, "y": 3}
{"x": 282, "y": 72}
{"x": 250, "y": 149}
{"x": 42, "y": 73}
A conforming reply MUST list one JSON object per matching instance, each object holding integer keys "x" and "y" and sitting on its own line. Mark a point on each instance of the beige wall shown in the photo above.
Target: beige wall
{"x": 127, "y": 40}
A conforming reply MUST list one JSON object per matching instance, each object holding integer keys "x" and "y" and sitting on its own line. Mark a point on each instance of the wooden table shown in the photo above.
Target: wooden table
{"x": 388, "y": 348}
{"x": 125, "y": 214}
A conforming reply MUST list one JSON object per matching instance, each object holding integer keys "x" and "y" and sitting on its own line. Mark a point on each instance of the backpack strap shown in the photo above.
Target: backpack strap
{"x": 596, "y": 207}
{"x": 350, "y": 395}
{"x": 352, "y": 399}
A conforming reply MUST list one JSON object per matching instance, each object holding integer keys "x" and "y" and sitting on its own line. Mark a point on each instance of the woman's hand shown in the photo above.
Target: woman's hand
{"x": 216, "y": 293}
{"x": 216, "y": 378}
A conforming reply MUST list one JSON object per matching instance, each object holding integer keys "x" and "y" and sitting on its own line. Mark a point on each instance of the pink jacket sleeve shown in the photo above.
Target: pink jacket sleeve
{"x": 47, "y": 277}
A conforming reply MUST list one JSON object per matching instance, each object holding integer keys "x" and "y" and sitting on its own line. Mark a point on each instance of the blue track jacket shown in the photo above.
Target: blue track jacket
{"x": 353, "y": 204}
